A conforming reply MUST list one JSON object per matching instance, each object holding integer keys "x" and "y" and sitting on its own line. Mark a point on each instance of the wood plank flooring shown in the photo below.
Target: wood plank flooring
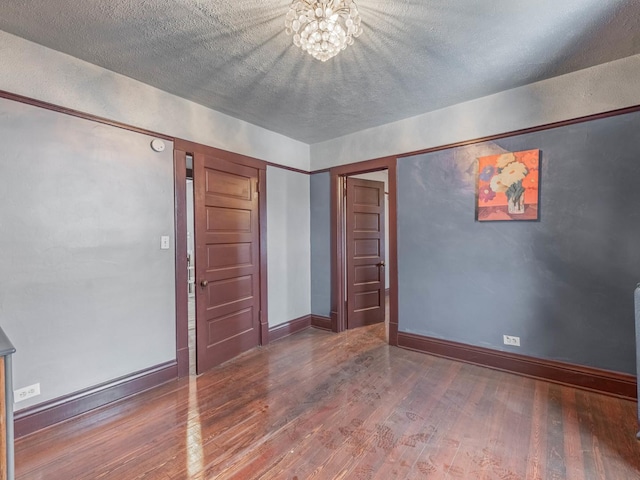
{"x": 318, "y": 405}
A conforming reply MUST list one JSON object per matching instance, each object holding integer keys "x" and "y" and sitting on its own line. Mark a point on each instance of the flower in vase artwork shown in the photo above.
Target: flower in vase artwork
{"x": 508, "y": 186}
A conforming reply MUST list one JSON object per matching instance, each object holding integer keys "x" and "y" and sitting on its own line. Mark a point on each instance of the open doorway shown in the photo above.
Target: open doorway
{"x": 380, "y": 250}
{"x": 190, "y": 253}
{"x": 367, "y": 249}
{"x": 221, "y": 257}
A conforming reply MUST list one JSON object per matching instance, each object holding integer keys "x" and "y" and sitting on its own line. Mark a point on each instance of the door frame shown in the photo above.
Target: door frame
{"x": 182, "y": 148}
{"x": 338, "y": 254}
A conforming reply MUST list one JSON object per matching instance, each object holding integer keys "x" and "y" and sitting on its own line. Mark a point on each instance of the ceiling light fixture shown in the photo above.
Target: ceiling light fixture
{"x": 323, "y": 28}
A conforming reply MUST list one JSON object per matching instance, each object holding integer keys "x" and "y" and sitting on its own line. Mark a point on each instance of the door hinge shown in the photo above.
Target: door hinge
{"x": 257, "y": 186}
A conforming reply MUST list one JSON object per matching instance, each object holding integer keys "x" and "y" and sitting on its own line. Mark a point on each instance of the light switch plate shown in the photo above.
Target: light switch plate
{"x": 164, "y": 242}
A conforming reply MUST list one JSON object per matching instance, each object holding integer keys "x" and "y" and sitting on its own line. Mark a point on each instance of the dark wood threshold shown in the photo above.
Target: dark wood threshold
{"x": 40, "y": 416}
{"x": 289, "y": 328}
{"x": 321, "y": 322}
{"x": 586, "y": 378}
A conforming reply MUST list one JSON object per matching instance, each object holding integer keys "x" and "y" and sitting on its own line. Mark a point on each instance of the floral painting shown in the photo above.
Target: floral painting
{"x": 508, "y": 186}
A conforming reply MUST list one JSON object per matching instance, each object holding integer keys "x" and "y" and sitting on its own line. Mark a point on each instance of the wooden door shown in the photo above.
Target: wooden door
{"x": 364, "y": 228}
{"x": 227, "y": 260}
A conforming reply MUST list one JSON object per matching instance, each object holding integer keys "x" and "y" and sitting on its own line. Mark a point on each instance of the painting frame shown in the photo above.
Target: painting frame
{"x": 508, "y": 187}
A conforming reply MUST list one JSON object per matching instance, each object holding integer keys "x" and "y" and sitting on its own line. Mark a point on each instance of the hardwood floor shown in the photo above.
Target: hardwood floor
{"x": 318, "y": 405}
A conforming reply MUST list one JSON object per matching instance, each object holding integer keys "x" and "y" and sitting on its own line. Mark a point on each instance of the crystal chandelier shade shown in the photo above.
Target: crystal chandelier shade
{"x": 323, "y": 28}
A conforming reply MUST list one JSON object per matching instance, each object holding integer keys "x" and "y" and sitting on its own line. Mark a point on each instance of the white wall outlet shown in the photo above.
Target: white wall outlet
{"x": 164, "y": 242}
{"x": 26, "y": 392}
{"x": 511, "y": 340}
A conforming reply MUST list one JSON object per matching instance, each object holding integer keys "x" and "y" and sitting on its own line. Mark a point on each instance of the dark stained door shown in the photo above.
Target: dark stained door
{"x": 227, "y": 260}
{"x": 364, "y": 228}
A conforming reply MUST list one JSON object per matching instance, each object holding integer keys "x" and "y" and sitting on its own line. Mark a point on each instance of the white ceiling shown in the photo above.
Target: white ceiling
{"x": 413, "y": 57}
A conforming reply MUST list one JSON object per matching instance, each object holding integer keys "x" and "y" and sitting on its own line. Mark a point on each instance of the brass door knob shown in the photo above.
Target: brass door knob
{"x": 204, "y": 283}
{"x": 381, "y": 264}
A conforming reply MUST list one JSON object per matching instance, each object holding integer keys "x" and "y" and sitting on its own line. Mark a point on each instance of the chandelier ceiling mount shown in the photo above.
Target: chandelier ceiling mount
{"x": 323, "y": 28}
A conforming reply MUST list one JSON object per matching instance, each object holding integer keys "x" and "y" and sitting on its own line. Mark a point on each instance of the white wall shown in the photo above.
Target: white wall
{"x": 289, "y": 245}
{"x": 86, "y": 293}
{"x": 34, "y": 71}
{"x": 598, "y": 89}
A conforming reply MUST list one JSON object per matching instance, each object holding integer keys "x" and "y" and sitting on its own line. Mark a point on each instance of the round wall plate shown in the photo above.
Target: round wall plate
{"x": 157, "y": 145}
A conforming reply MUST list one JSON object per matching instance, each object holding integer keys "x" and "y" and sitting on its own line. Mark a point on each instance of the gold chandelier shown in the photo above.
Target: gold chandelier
{"x": 323, "y": 28}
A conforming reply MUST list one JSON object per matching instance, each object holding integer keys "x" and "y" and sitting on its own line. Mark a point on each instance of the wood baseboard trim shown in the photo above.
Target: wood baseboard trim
{"x": 393, "y": 334}
{"x": 265, "y": 337}
{"x": 289, "y": 328}
{"x": 321, "y": 322}
{"x": 40, "y": 416}
{"x": 182, "y": 356}
{"x": 586, "y": 378}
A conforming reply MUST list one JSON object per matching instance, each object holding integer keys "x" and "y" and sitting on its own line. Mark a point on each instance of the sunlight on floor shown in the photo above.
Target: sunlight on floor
{"x": 195, "y": 457}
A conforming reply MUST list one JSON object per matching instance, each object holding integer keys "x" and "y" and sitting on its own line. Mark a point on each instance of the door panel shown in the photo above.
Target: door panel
{"x": 227, "y": 260}
{"x": 367, "y": 274}
{"x": 365, "y": 252}
{"x": 228, "y": 255}
{"x": 363, "y": 248}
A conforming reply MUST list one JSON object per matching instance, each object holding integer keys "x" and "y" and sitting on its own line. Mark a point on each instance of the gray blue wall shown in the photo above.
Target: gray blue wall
{"x": 563, "y": 284}
{"x": 86, "y": 293}
{"x": 321, "y": 244}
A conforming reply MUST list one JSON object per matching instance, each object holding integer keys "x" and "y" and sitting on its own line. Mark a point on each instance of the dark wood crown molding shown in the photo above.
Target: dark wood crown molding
{"x": 86, "y": 116}
{"x": 125, "y": 126}
{"x": 498, "y": 136}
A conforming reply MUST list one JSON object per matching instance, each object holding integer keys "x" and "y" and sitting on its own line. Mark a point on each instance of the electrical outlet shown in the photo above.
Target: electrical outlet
{"x": 511, "y": 340}
{"x": 26, "y": 392}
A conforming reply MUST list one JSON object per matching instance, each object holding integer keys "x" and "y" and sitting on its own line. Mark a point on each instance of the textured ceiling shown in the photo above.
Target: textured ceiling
{"x": 414, "y": 56}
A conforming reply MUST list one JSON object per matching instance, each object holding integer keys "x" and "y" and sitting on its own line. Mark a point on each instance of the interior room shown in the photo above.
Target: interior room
{"x": 319, "y": 239}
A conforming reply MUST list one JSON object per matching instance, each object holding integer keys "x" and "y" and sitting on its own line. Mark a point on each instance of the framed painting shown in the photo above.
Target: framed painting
{"x": 508, "y": 186}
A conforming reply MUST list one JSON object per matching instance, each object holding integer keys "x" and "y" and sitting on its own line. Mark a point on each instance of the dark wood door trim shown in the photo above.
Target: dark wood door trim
{"x": 193, "y": 148}
{"x": 181, "y": 149}
{"x": 337, "y": 177}
{"x": 262, "y": 199}
{"x": 180, "y": 235}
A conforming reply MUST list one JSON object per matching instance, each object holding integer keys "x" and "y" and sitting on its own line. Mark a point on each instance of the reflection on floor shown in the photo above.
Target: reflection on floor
{"x": 318, "y": 405}
{"x": 192, "y": 330}
{"x": 192, "y": 335}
